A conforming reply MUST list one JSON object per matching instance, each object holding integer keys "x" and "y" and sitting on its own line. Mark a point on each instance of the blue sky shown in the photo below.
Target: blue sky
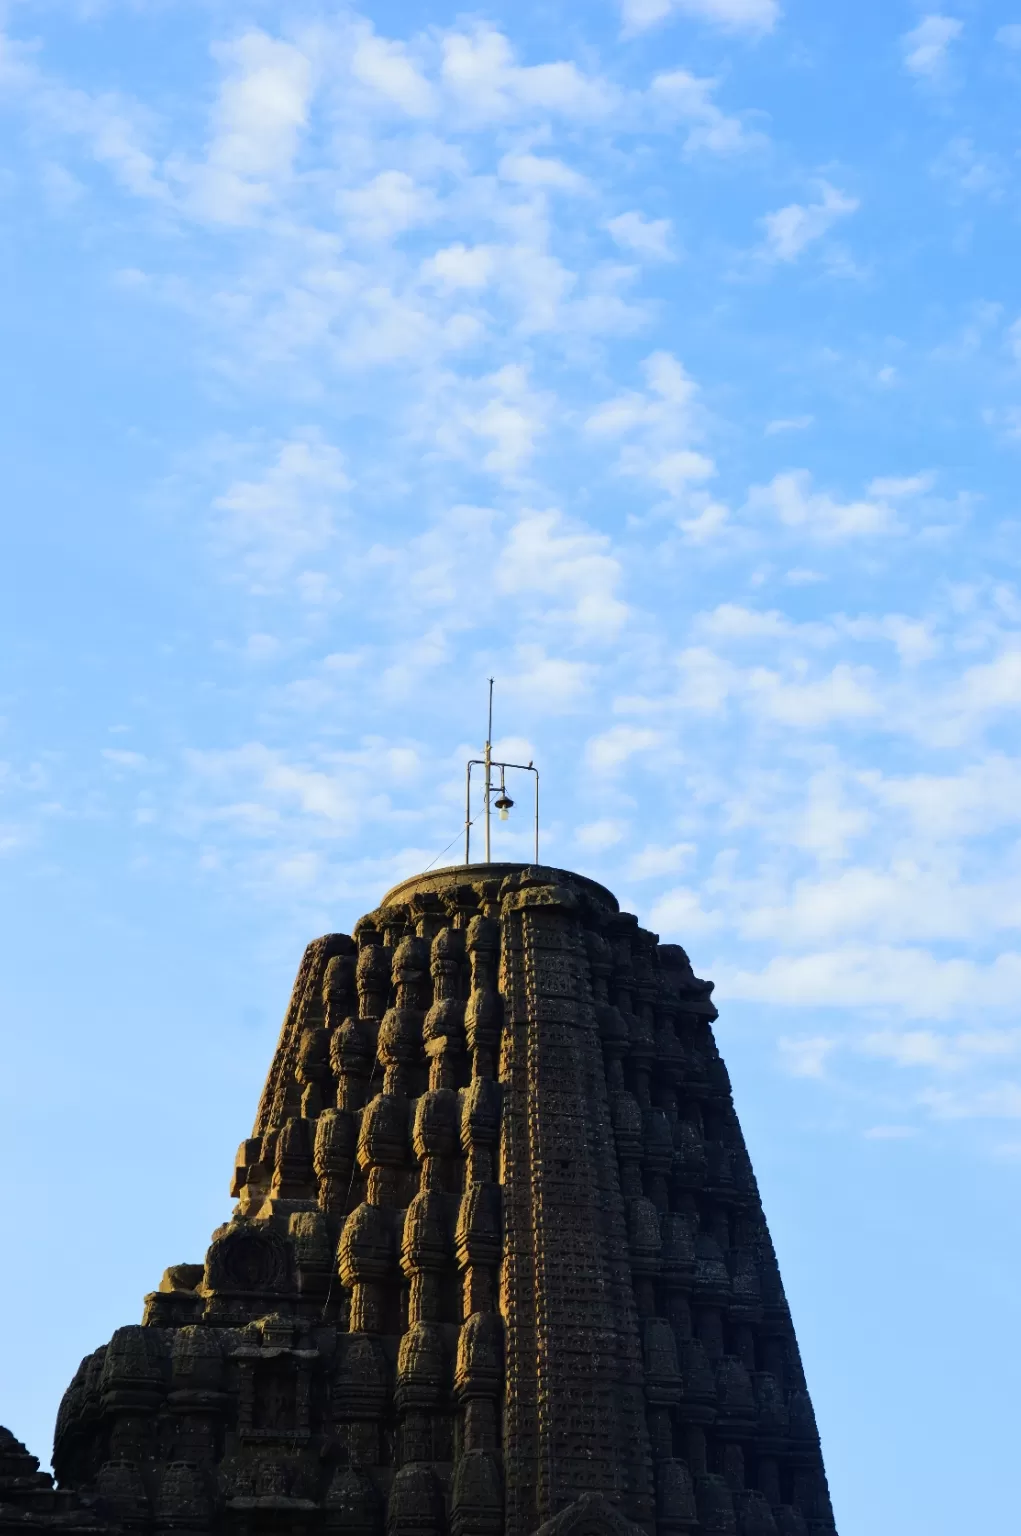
{"x": 661, "y": 358}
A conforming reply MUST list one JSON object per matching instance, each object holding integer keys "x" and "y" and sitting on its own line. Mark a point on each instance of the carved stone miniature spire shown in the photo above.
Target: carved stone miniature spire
{"x": 443, "y": 1029}
{"x": 484, "y": 1012}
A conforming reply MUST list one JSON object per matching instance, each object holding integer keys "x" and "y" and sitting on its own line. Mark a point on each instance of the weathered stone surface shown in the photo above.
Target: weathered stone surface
{"x": 30, "y": 1503}
{"x": 498, "y": 1264}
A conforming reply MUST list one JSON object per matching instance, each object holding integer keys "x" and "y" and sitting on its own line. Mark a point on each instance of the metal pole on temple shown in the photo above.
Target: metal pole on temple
{"x": 489, "y": 764}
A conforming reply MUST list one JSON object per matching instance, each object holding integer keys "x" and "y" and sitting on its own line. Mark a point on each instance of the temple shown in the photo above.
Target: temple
{"x": 498, "y": 1264}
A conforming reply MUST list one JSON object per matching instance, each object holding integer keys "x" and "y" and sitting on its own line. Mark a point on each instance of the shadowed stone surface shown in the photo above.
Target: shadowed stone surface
{"x": 498, "y": 1263}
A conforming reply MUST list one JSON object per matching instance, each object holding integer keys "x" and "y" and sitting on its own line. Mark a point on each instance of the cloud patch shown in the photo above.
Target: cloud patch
{"x": 274, "y": 521}
{"x": 753, "y": 17}
{"x": 793, "y": 501}
{"x": 790, "y": 230}
{"x": 927, "y": 46}
{"x": 648, "y": 238}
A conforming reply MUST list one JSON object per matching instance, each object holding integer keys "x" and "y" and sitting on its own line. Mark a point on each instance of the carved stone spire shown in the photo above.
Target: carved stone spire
{"x": 498, "y": 1264}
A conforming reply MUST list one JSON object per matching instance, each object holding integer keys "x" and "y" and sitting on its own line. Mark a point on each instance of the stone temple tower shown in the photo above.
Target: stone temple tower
{"x": 497, "y": 1266}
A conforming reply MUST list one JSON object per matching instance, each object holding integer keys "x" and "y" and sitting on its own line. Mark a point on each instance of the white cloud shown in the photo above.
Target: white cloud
{"x": 548, "y": 684}
{"x": 679, "y": 912}
{"x": 828, "y": 821}
{"x": 983, "y": 797}
{"x": 893, "y": 487}
{"x": 413, "y": 668}
{"x": 732, "y": 621}
{"x": 845, "y": 693}
{"x": 672, "y": 471}
{"x": 263, "y": 794}
{"x": 970, "y": 170}
{"x": 537, "y": 285}
{"x": 790, "y": 498}
{"x": 257, "y": 125}
{"x": 115, "y": 142}
{"x": 912, "y": 899}
{"x": 263, "y": 105}
{"x": 1014, "y": 340}
{"x": 926, "y": 47}
{"x": 444, "y": 570}
{"x": 547, "y": 555}
{"x": 387, "y": 206}
{"x": 667, "y": 408}
{"x": 662, "y": 421}
{"x": 991, "y": 686}
{"x": 460, "y": 266}
{"x": 1010, "y": 35}
{"x": 646, "y": 237}
{"x": 481, "y": 75}
{"x": 656, "y": 860}
{"x": 806, "y": 1057}
{"x": 386, "y": 68}
{"x": 613, "y": 748}
{"x": 954, "y": 1053}
{"x": 689, "y": 97}
{"x": 753, "y": 16}
{"x": 378, "y": 326}
{"x": 1007, "y": 421}
{"x": 111, "y": 128}
{"x": 1001, "y": 1102}
{"x": 707, "y": 683}
{"x": 124, "y": 759}
{"x": 270, "y": 785}
{"x": 500, "y": 411}
{"x": 527, "y": 170}
{"x": 915, "y": 982}
{"x": 597, "y": 836}
{"x": 912, "y": 638}
{"x": 789, "y": 424}
{"x": 300, "y": 869}
{"x": 708, "y": 522}
{"x": 275, "y": 521}
{"x": 793, "y": 228}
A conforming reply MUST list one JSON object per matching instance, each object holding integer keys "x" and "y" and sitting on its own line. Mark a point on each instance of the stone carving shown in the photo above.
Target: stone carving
{"x": 498, "y": 1264}
{"x": 591, "y": 1515}
{"x": 246, "y": 1257}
